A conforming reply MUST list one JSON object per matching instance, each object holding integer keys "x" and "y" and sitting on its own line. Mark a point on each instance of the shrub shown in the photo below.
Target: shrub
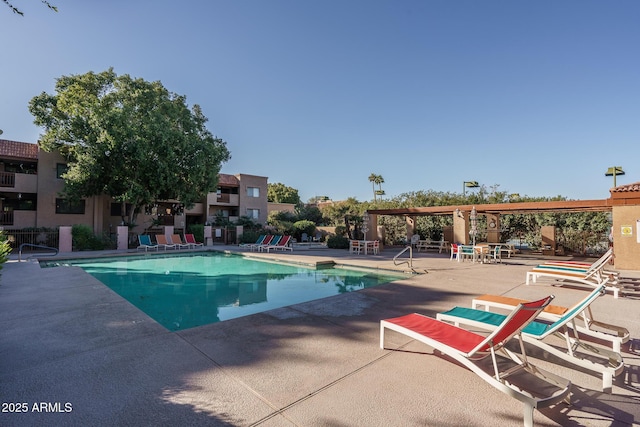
{"x": 83, "y": 239}
{"x": 198, "y": 232}
{"x": 337, "y": 242}
{"x": 304, "y": 226}
{"x": 250, "y": 236}
{"x": 5, "y": 248}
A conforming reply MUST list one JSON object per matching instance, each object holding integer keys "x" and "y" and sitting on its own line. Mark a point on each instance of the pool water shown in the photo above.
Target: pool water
{"x": 184, "y": 291}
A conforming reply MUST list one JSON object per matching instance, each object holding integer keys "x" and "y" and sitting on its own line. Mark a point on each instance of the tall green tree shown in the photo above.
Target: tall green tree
{"x": 280, "y": 193}
{"x": 130, "y": 139}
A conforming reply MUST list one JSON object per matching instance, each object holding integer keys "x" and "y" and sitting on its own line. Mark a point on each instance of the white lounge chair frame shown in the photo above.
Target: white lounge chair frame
{"x": 609, "y": 363}
{"x": 592, "y": 276}
{"x": 557, "y": 389}
{"x": 613, "y": 334}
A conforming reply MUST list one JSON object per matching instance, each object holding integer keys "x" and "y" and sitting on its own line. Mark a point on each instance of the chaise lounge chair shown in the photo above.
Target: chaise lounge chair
{"x": 591, "y": 275}
{"x": 257, "y": 242}
{"x": 176, "y": 240}
{"x": 144, "y": 241}
{"x": 587, "y": 324}
{"x": 163, "y": 242}
{"x": 284, "y": 244}
{"x": 275, "y": 240}
{"x": 266, "y": 241}
{"x": 531, "y": 385}
{"x": 190, "y": 239}
{"x": 605, "y": 362}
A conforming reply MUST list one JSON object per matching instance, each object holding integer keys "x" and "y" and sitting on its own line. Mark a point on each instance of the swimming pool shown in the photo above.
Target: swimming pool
{"x": 184, "y": 291}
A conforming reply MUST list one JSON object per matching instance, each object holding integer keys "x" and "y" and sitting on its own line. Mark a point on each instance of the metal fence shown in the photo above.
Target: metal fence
{"x": 34, "y": 237}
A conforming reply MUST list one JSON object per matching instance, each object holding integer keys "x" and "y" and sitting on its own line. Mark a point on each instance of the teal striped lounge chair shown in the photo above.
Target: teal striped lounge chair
{"x": 603, "y": 361}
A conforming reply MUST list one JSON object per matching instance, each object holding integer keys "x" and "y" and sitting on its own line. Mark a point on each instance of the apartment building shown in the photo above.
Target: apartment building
{"x": 31, "y": 183}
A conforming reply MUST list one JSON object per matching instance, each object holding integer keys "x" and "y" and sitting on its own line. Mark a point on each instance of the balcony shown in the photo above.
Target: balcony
{"x": 6, "y": 218}
{"x": 7, "y": 179}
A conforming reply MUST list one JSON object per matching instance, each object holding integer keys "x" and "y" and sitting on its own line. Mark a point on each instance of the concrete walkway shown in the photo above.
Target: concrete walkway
{"x": 74, "y": 353}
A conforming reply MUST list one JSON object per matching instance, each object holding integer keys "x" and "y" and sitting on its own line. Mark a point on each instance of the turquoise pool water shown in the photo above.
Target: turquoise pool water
{"x": 184, "y": 291}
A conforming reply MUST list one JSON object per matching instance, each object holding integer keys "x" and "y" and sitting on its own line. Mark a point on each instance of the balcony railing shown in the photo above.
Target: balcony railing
{"x": 6, "y": 218}
{"x": 223, "y": 198}
{"x": 7, "y": 179}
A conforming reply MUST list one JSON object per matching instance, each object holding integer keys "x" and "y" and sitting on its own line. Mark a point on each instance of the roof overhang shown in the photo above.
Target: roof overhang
{"x": 604, "y": 205}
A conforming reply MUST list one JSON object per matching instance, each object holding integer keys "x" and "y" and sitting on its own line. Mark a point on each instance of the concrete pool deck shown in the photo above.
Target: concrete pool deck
{"x": 76, "y": 353}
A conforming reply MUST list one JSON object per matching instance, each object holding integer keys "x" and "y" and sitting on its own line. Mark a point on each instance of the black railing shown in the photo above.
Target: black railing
{"x": 7, "y": 179}
{"x": 6, "y": 218}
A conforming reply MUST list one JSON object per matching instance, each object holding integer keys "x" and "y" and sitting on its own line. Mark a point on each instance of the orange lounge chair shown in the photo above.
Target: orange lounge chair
{"x": 176, "y": 240}
{"x": 163, "y": 242}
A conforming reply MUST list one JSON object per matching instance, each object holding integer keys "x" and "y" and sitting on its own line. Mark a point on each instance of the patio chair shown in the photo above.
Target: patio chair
{"x": 530, "y": 384}
{"x": 355, "y": 247}
{"x": 164, "y": 243}
{"x": 454, "y": 251}
{"x": 176, "y": 240}
{"x": 191, "y": 240}
{"x": 145, "y": 243}
{"x": 587, "y": 324}
{"x": 495, "y": 254}
{"x": 605, "y": 362}
{"x": 466, "y": 252}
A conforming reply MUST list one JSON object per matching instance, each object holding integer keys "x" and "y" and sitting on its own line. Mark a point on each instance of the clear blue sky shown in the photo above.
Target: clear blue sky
{"x": 538, "y": 97}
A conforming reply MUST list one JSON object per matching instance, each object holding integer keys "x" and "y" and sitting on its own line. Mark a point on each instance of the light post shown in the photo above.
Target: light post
{"x": 614, "y": 171}
{"x": 473, "y": 217}
{"x": 469, "y": 184}
{"x": 365, "y": 225}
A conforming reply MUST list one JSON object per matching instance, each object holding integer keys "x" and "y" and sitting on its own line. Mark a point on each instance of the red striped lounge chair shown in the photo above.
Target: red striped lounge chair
{"x": 191, "y": 240}
{"x": 468, "y": 348}
{"x": 284, "y": 244}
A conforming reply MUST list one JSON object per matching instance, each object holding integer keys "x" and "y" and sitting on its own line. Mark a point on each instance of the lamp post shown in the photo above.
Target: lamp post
{"x": 614, "y": 171}
{"x": 365, "y": 224}
{"x": 474, "y": 224}
{"x": 469, "y": 184}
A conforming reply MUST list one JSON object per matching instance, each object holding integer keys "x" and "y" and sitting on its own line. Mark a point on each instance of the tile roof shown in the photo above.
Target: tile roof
{"x": 627, "y": 188}
{"x": 19, "y": 150}
{"x": 229, "y": 180}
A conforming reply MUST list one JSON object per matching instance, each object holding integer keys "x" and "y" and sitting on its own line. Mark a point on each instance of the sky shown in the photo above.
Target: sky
{"x": 537, "y": 98}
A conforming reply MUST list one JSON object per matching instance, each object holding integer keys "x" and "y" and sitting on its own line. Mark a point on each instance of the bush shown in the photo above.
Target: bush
{"x": 250, "y": 236}
{"x": 83, "y": 239}
{"x": 304, "y": 226}
{"x": 337, "y": 242}
{"x": 5, "y": 248}
{"x": 198, "y": 232}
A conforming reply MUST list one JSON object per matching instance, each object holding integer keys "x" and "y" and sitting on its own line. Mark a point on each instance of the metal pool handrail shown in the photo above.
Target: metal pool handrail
{"x": 409, "y": 262}
{"x": 36, "y": 246}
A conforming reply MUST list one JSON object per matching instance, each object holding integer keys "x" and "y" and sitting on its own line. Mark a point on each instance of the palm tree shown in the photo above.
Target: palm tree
{"x": 379, "y": 180}
{"x": 373, "y": 179}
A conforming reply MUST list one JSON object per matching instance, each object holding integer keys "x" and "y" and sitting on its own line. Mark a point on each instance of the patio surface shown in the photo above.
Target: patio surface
{"x": 77, "y": 354}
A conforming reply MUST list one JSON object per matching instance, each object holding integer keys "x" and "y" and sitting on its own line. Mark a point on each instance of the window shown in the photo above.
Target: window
{"x": 116, "y": 209}
{"x": 253, "y": 213}
{"x": 61, "y": 169}
{"x": 253, "y": 192}
{"x": 64, "y": 206}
